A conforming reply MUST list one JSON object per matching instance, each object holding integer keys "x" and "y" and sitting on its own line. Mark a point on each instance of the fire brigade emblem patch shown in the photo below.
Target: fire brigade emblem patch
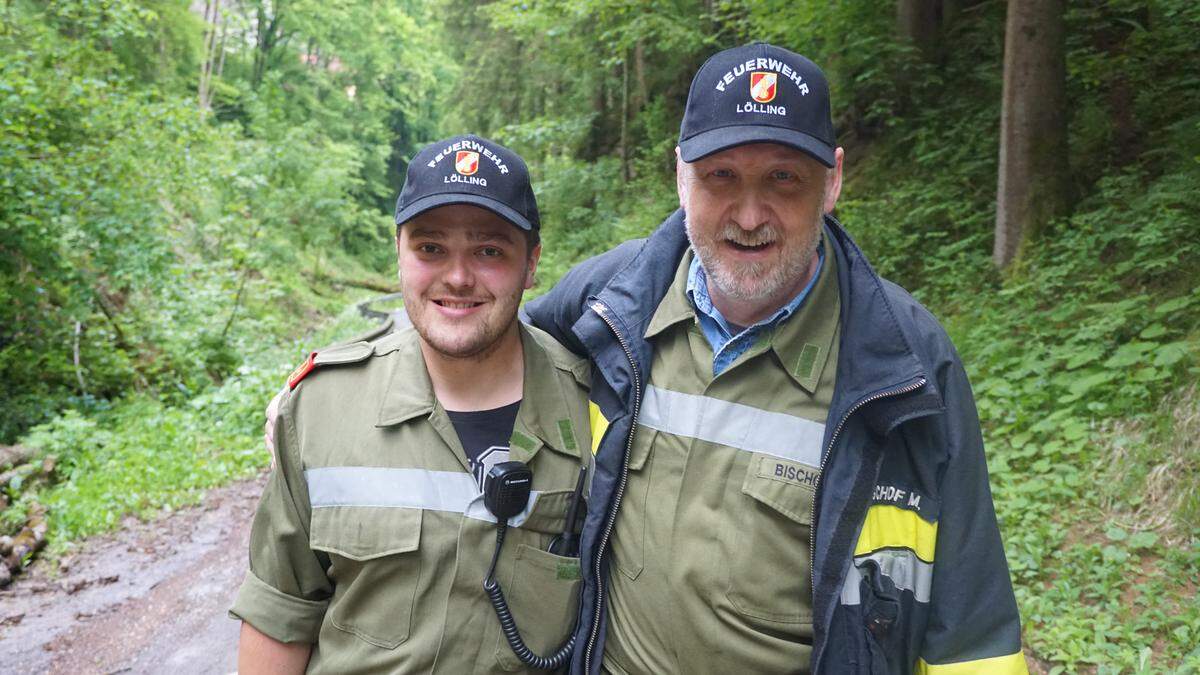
{"x": 762, "y": 86}
{"x": 466, "y": 162}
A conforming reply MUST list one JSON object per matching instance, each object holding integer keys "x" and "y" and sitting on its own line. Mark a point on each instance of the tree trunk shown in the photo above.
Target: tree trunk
{"x": 206, "y": 62}
{"x": 918, "y": 21}
{"x": 221, "y": 45}
{"x": 1033, "y": 186}
{"x": 624, "y": 137}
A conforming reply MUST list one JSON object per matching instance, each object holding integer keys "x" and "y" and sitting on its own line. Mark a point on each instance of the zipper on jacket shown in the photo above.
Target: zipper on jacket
{"x": 812, "y": 539}
{"x": 600, "y": 310}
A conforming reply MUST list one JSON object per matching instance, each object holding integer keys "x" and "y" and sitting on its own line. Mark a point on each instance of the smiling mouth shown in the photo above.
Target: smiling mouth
{"x": 457, "y": 304}
{"x": 737, "y": 246}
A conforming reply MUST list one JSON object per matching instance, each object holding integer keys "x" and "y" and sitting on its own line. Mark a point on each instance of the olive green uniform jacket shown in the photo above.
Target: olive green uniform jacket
{"x": 372, "y": 541}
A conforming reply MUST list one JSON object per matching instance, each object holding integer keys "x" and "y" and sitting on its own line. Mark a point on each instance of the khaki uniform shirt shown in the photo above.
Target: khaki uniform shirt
{"x": 711, "y": 562}
{"x": 372, "y": 541}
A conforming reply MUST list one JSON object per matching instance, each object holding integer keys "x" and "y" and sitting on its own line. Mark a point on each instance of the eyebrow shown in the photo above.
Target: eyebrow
{"x": 427, "y": 233}
{"x": 472, "y": 235}
{"x": 490, "y": 236}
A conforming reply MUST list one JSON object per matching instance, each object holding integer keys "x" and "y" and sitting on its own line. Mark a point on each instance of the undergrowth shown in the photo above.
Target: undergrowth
{"x": 142, "y": 455}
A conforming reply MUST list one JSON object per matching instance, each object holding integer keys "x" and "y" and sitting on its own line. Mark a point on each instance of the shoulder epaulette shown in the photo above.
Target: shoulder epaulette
{"x": 351, "y": 353}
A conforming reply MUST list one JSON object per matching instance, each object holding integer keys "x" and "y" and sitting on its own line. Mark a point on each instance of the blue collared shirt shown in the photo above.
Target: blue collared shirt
{"x": 726, "y": 345}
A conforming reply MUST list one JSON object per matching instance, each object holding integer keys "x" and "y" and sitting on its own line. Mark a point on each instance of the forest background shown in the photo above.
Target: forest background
{"x": 193, "y": 195}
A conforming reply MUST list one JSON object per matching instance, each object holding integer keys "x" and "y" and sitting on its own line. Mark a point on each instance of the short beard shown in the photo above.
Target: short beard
{"x": 755, "y": 282}
{"x": 477, "y": 346}
{"x": 482, "y": 345}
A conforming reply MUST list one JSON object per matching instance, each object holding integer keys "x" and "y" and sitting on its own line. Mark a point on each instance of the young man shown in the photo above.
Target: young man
{"x": 792, "y": 477}
{"x": 372, "y": 540}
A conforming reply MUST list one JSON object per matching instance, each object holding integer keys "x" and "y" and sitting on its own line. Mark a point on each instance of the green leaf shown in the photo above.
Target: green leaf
{"x": 1114, "y": 554}
{"x": 1088, "y": 382}
{"x": 1170, "y": 354}
{"x": 1084, "y": 357}
{"x": 1115, "y": 533}
{"x": 1152, "y": 331}
{"x": 1173, "y": 305}
{"x": 1129, "y": 354}
{"x": 1139, "y": 540}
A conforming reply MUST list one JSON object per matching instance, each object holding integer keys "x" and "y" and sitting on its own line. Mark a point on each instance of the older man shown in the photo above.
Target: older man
{"x": 792, "y": 478}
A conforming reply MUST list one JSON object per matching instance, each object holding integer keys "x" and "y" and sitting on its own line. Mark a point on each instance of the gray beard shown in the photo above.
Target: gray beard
{"x": 757, "y": 281}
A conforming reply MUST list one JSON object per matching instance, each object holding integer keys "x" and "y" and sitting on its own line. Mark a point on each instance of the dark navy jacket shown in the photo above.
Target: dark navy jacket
{"x": 908, "y": 568}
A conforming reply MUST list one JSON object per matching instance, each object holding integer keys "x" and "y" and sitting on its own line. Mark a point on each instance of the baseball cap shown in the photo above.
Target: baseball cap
{"x": 753, "y": 94}
{"x": 468, "y": 169}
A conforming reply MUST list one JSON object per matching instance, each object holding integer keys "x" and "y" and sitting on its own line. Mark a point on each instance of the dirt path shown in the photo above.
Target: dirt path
{"x": 150, "y": 598}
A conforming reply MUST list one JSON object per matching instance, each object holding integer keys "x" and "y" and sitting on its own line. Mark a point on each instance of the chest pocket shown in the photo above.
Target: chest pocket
{"x": 376, "y": 568}
{"x": 629, "y": 537}
{"x": 769, "y": 575}
{"x": 542, "y": 589}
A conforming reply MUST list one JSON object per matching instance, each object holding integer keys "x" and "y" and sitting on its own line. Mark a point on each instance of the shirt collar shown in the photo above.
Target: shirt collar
{"x": 410, "y": 395}
{"x": 697, "y": 293}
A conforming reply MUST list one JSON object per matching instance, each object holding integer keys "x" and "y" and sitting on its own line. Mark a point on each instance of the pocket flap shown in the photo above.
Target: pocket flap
{"x": 365, "y": 532}
{"x": 549, "y": 512}
{"x": 785, "y": 486}
{"x": 643, "y": 438}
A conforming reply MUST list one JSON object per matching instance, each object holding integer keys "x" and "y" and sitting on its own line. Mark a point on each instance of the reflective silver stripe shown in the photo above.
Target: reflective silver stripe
{"x": 450, "y": 491}
{"x": 903, "y": 567}
{"x": 734, "y": 425}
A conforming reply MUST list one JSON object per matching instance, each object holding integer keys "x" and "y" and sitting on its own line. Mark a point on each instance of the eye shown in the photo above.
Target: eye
{"x": 490, "y": 252}
{"x": 722, "y": 173}
{"x": 782, "y": 174}
{"x": 428, "y": 249}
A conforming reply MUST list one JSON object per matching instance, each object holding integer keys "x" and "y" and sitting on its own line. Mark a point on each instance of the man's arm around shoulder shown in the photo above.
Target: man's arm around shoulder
{"x": 557, "y": 311}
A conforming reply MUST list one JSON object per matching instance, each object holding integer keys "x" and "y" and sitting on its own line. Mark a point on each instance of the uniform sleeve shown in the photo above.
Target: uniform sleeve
{"x": 973, "y": 625}
{"x": 286, "y": 590}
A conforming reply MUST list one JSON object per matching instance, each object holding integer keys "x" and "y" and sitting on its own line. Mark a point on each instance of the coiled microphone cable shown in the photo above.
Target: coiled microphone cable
{"x": 505, "y": 494}
{"x": 509, "y": 625}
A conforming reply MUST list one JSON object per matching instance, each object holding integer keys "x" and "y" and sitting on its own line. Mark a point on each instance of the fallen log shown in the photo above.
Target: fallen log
{"x": 369, "y": 284}
{"x": 12, "y": 455}
{"x": 39, "y": 473}
{"x": 26, "y": 544}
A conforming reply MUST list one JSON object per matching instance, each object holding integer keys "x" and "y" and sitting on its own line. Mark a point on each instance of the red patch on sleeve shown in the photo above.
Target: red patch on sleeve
{"x": 302, "y": 372}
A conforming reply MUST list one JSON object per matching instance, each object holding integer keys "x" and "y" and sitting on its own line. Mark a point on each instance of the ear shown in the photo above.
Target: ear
{"x": 833, "y": 181}
{"x": 680, "y": 186}
{"x": 399, "y": 272}
{"x": 531, "y": 266}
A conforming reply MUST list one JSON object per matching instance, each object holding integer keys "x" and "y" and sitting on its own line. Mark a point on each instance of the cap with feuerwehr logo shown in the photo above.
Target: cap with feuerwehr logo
{"x": 469, "y": 170}
{"x": 758, "y": 93}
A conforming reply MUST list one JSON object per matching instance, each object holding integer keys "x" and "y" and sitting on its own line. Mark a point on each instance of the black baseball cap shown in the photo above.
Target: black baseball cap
{"x": 754, "y": 94}
{"x": 469, "y": 170}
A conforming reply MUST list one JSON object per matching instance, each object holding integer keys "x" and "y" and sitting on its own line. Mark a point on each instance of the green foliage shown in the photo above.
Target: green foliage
{"x": 143, "y": 241}
{"x": 183, "y": 251}
{"x": 141, "y": 455}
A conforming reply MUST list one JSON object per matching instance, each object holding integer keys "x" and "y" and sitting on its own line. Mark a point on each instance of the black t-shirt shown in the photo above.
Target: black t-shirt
{"x": 484, "y": 435}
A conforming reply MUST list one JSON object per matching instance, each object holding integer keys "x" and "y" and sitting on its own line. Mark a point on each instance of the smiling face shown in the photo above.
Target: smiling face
{"x": 753, "y": 215}
{"x": 462, "y": 272}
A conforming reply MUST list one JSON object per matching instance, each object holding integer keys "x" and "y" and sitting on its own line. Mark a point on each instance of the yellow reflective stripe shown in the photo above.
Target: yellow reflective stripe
{"x": 893, "y": 527}
{"x": 1012, "y": 664}
{"x": 598, "y": 424}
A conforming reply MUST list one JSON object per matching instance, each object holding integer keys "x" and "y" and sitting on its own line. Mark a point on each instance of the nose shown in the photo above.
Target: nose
{"x": 459, "y": 274}
{"x": 750, "y": 212}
